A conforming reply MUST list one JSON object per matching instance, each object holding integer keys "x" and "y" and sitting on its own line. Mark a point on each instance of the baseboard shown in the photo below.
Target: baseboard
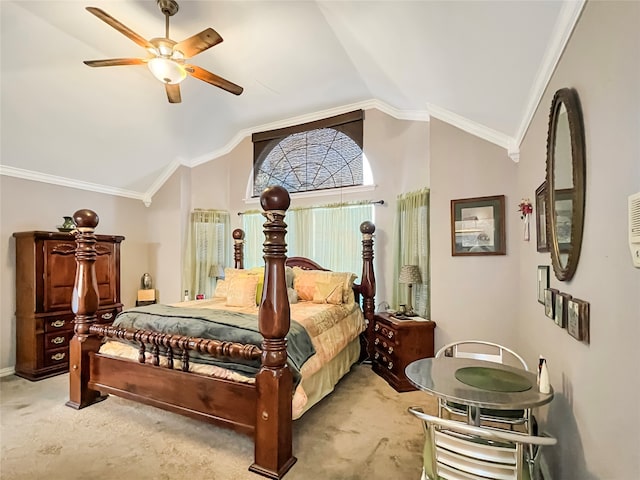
{"x": 5, "y": 372}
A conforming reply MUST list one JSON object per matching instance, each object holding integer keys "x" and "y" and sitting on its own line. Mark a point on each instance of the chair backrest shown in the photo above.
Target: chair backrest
{"x": 481, "y": 350}
{"x": 456, "y": 450}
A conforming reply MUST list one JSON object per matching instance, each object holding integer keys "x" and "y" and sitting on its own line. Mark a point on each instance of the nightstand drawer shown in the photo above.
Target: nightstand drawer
{"x": 383, "y": 345}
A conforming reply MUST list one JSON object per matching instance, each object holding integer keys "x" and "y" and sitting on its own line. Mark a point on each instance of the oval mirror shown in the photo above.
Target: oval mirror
{"x": 565, "y": 182}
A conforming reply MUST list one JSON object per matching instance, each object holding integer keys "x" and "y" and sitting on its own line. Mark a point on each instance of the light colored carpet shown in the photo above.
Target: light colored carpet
{"x": 361, "y": 431}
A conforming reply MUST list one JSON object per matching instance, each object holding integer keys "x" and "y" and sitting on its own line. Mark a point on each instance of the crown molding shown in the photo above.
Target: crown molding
{"x": 565, "y": 25}
{"x": 160, "y": 181}
{"x": 67, "y": 182}
{"x": 477, "y": 129}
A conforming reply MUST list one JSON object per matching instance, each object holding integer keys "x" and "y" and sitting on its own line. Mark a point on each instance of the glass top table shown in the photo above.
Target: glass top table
{"x": 477, "y": 383}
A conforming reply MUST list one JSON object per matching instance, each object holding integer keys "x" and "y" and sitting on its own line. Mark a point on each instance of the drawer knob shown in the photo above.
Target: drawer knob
{"x": 390, "y": 350}
{"x": 377, "y": 341}
{"x": 377, "y": 355}
{"x": 390, "y": 366}
{"x": 390, "y": 335}
{"x": 107, "y": 316}
{"x": 58, "y": 356}
{"x": 376, "y": 327}
{"x": 58, "y": 323}
{"x": 57, "y": 340}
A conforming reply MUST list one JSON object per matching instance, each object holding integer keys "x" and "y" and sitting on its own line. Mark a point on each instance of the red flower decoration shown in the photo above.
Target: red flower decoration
{"x": 525, "y": 208}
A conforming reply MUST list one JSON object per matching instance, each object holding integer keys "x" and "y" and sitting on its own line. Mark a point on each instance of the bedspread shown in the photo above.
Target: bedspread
{"x": 219, "y": 324}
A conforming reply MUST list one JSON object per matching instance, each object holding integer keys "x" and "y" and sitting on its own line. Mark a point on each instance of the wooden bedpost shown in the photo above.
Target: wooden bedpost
{"x": 368, "y": 281}
{"x": 274, "y": 383}
{"x": 84, "y": 303}
{"x": 238, "y": 248}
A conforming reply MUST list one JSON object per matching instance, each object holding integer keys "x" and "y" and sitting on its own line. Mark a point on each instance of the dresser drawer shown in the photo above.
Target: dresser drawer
{"x": 58, "y": 323}
{"x": 107, "y": 316}
{"x": 57, "y": 340}
{"x": 58, "y": 356}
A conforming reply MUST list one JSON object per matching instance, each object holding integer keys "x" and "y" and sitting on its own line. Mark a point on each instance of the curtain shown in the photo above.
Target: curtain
{"x": 411, "y": 247}
{"x": 208, "y": 249}
{"x": 329, "y": 235}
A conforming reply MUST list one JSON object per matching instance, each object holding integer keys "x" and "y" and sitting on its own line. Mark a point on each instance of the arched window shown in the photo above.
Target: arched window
{"x": 314, "y": 156}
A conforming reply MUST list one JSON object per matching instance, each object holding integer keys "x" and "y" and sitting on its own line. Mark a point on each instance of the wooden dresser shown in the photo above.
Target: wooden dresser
{"x": 45, "y": 276}
{"x": 397, "y": 343}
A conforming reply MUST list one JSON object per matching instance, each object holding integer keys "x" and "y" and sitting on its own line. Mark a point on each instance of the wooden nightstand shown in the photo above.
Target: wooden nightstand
{"x": 396, "y": 344}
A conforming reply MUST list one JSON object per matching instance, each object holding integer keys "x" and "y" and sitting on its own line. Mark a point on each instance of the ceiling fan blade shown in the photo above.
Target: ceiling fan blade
{"x": 126, "y": 31}
{"x": 206, "y": 76}
{"x": 198, "y": 43}
{"x": 173, "y": 92}
{"x": 115, "y": 62}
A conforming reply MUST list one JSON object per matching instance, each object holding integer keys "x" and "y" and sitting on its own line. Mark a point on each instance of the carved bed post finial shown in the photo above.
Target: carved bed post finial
{"x": 238, "y": 248}
{"x": 368, "y": 282}
{"x": 274, "y": 383}
{"x": 84, "y": 303}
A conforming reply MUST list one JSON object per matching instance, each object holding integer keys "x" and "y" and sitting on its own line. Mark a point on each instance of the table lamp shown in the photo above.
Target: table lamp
{"x": 410, "y": 274}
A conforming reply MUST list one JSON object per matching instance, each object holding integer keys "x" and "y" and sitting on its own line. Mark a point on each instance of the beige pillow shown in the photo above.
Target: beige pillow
{"x": 328, "y": 292}
{"x": 242, "y": 291}
{"x": 304, "y": 282}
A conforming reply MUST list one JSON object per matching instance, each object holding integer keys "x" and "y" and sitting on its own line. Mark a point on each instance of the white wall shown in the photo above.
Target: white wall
{"x": 27, "y": 205}
{"x": 595, "y": 412}
{"x": 471, "y": 297}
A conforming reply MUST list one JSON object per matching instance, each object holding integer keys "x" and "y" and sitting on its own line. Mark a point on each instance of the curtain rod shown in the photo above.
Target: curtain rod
{"x": 372, "y": 202}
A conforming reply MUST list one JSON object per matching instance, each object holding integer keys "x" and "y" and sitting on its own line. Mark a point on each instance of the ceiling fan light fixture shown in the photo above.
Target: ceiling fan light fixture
{"x": 166, "y": 70}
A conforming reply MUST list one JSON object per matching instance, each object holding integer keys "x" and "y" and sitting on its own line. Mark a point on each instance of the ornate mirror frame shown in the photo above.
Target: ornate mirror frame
{"x": 565, "y": 193}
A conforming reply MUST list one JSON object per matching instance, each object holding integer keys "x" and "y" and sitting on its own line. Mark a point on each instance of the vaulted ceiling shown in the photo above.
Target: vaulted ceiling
{"x": 480, "y": 65}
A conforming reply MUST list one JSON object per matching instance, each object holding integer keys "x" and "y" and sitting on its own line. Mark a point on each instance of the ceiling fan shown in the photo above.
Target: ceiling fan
{"x": 167, "y": 57}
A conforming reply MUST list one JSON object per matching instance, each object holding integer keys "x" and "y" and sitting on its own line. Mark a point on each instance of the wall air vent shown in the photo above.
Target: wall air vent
{"x": 634, "y": 228}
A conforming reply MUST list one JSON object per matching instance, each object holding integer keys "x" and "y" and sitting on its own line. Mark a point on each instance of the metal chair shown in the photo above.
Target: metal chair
{"x": 458, "y": 451}
{"x": 490, "y": 352}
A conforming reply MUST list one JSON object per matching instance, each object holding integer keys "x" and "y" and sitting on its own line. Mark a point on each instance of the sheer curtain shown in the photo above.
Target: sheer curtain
{"x": 208, "y": 247}
{"x": 411, "y": 247}
{"x": 329, "y": 235}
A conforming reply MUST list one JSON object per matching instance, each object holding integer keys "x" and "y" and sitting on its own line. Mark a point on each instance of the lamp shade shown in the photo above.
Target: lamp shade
{"x": 216, "y": 271}
{"x": 410, "y": 274}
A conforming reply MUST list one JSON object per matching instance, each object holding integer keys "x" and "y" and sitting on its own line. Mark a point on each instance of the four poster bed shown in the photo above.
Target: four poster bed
{"x": 254, "y": 378}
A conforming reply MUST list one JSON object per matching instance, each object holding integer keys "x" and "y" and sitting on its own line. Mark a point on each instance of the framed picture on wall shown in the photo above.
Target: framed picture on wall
{"x": 477, "y": 226}
{"x": 578, "y": 319}
{"x": 560, "y": 313}
{"x": 550, "y": 302}
{"x": 543, "y": 281}
{"x": 542, "y": 241}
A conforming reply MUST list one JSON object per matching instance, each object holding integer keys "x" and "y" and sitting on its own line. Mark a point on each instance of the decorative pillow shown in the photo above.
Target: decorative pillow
{"x": 288, "y": 272}
{"x": 293, "y": 295}
{"x": 328, "y": 292}
{"x": 230, "y": 273}
{"x": 242, "y": 291}
{"x": 222, "y": 287}
{"x": 305, "y": 283}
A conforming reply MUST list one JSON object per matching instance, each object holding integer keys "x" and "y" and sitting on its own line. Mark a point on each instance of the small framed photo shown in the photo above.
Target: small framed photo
{"x": 560, "y": 313}
{"x": 550, "y": 302}
{"x": 578, "y": 319}
{"x": 542, "y": 241}
{"x": 543, "y": 281}
{"x": 477, "y": 226}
